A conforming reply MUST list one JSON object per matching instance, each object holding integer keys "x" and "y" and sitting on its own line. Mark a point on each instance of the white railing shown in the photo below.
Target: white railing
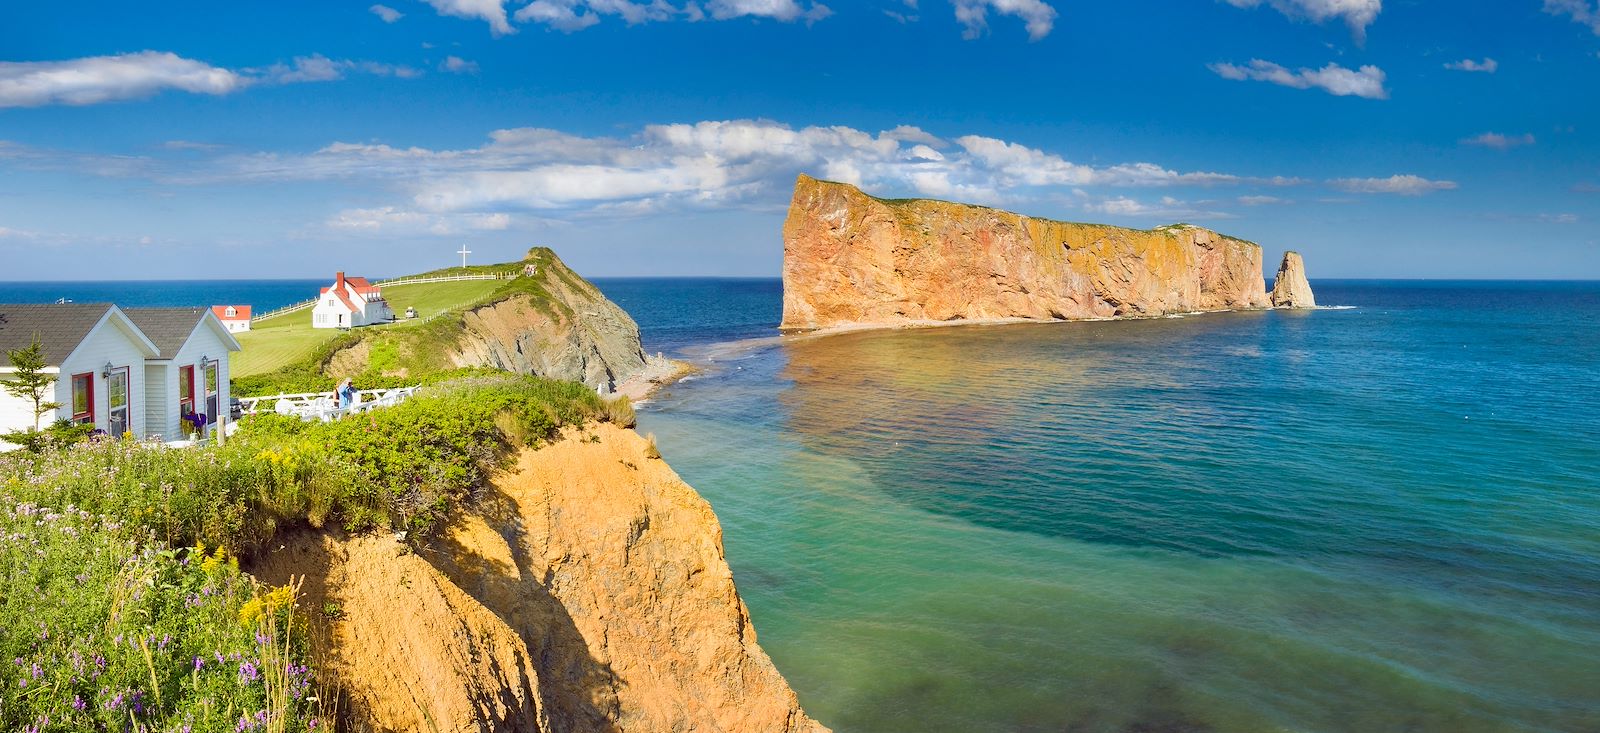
{"x": 324, "y": 406}
{"x": 444, "y": 278}
{"x": 304, "y": 304}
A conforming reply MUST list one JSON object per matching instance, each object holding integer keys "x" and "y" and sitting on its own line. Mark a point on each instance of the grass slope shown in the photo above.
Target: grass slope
{"x": 279, "y": 341}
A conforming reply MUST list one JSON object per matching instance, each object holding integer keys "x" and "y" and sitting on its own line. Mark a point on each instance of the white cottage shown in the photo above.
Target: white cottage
{"x": 98, "y": 356}
{"x": 235, "y": 317}
{"x": 189, "y": 374}
{"x": 138, "y": 371}
{"x": 350, "y": 302}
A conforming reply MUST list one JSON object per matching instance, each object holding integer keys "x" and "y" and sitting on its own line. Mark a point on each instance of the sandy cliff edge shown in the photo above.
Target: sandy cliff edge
{"x": 853, "y": 260}
{"x": 588, "y": 592}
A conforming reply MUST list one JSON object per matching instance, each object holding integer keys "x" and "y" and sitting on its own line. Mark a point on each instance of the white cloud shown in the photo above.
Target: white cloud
{"x": 1582, "y": 11}
{"x": 784, "y": 10}
{"x": 1038, "y": 17}
{"x": 713, "y": 164}
{"x": 1167, "y": 207}
{"x": 1404, "y": 185}
{"x": 1498, "y": 141}
{"x": 575, "y": 15}
{"x": 1261, "y": 200}
{"x": 1558, "y": 218}
{"x": 1357, "y": 14}
{"x": 388, "y": 14}
{"x": 1486, "y": 66}
{"x": 110, "y": 78}
{"x": 1366, "y": 82}
{"x": 492, "y": 11}
{"x": 99, "y": 79}
{"x": 458, "y": 65}
{"x": 390, "y": 221}
{"x": 317, "y": 67}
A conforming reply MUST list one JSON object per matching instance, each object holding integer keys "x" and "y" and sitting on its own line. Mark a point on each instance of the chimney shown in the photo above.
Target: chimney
{"x": 338, "y": 281}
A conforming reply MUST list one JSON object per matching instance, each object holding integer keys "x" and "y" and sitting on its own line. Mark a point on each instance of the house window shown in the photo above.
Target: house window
{"x": 83, "y": 399}
{"x": 231, "y": 312}
{"x": 211, "y": 393}
{"x": 185, "y": 391}
{"x": 117, "y": 412}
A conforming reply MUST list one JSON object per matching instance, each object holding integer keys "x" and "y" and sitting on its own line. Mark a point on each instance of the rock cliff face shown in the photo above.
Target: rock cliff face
{"x": 554, "y": 325}
{"x": 588, "y": 593}
{"x": 1290, "y": 288}
{"x": 854, "y": 260}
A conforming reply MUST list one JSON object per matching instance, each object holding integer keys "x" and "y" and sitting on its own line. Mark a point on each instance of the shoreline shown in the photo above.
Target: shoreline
{"x": 658, "y": 372}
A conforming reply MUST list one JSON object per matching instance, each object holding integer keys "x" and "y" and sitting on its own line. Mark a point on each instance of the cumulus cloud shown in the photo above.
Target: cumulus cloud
{"x": 99, "y": 79}
{"x": 784, "y": 10}
{"x": 1586, "y": 12}
{"x": 388, "y": 14}
{"x": 575, "y": 15}
{"x": 458, "y": 65}
{"x": 317, "y": 67}
{"x": 491, "y": 11}
{"x": 1261, "y": 200}
{"x": 1558, "y": 218}
{"x": 390, "y": 221}
{"x": 1167, "y": 207}
{"x": 1486, "y": 66}
{"x": 1357, "y": 14}
{"x": 715, "y": 164}
{"x": 1498, "y": 141}
{"x": 1404, "y": 185}
{"x": 1334, "y": 79}
{"x": 1036, "y": 16}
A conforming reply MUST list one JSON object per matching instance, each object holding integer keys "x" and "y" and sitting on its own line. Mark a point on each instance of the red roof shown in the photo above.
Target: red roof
{"x": 240, "y": 312}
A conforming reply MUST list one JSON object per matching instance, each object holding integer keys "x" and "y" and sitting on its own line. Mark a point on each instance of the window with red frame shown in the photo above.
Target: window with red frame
{"x": 83, "y": 399}
{"x": 185, "y": 391}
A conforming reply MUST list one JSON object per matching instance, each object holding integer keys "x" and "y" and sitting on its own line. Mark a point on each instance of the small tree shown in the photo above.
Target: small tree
{"x": 29, "y": 381}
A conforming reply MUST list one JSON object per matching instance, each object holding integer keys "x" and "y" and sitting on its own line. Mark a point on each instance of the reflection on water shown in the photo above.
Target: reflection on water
{"x": 1365, "y": 520}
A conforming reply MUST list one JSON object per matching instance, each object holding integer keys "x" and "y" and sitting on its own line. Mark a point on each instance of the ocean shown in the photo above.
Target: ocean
{"x": 1384, "y": 517}
{"x": 1378, "y": 517}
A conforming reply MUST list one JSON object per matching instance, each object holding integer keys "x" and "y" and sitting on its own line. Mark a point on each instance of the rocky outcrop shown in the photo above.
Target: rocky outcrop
{"x": 854, "y": 260}
{"x": 1290, "y": 288}
{"x": 588, "y": 592}
{"x": 553, "y": 324}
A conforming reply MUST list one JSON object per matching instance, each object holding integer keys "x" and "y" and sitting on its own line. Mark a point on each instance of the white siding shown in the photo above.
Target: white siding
{"x": 108, "y": 343}
{"x": 17, "y": 413}
{"x": 155, "y": 401}
{"x": 203, "y": 342}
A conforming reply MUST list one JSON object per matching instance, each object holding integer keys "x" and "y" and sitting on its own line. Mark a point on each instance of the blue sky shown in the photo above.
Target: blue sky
{"x": 1382, "y": 138}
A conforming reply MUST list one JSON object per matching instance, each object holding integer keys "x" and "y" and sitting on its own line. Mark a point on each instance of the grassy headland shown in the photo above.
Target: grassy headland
{"x": 120, "y": 605}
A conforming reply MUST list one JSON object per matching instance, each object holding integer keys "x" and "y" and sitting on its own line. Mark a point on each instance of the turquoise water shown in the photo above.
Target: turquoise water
{"x": 1373, "y": 519}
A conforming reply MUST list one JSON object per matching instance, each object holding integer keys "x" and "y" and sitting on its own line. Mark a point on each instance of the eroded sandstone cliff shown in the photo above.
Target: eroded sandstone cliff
{"x": 588, "y": 593}
{"x": 556, "y": 324}
{"x": 855, "y": 260}
{"x": 546, "y": 321}
{"x": 1290, "y": 289}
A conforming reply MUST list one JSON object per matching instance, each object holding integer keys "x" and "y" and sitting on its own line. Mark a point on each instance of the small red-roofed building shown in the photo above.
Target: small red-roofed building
{"x": 350, "y": 302}
{"x": 235, "y": 317}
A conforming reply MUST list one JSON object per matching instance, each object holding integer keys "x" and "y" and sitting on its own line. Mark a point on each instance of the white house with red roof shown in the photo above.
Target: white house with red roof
{"x": 350, "y": 302}
{"x": 236, "y": 318}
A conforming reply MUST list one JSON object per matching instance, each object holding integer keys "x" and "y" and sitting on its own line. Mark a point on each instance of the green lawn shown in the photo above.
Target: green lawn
{"x": 276, "y": 342}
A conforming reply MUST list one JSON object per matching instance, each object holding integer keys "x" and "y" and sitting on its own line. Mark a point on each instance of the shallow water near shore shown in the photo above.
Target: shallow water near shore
{"x": 1374, "y": 519}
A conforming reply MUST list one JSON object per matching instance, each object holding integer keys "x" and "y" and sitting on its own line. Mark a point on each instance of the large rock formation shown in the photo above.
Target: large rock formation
{"x": 556, "y": 324}
{"x": 854, "y": 260}
{"x": 547, "y": 321}
{"x": 1290, "y": 288}
{"x": 588, "y": 593}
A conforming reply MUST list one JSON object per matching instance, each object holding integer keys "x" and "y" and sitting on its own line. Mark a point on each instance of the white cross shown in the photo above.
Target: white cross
{"x": 464, "y": 252}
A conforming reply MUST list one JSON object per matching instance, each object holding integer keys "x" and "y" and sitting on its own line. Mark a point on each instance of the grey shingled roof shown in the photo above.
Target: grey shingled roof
{"x": 167, "y": 328}
{"x": 60, "y": 327}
